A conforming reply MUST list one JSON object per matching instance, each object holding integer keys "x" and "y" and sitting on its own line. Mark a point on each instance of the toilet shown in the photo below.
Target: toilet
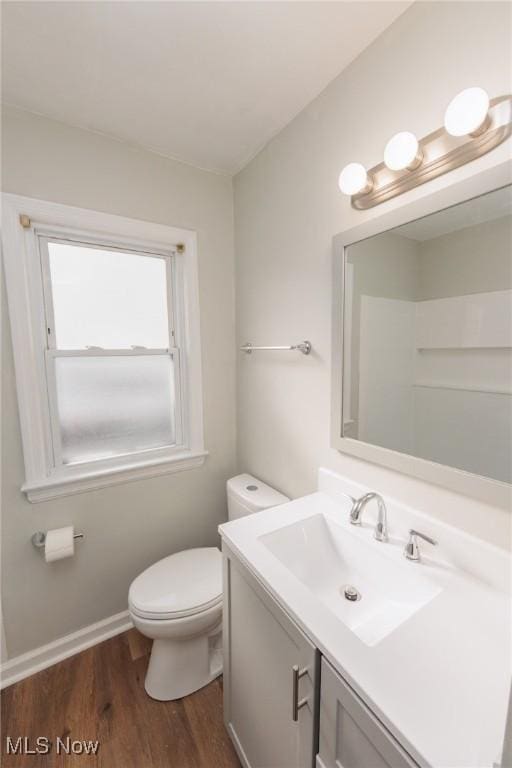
{"x": 177, "y": 602}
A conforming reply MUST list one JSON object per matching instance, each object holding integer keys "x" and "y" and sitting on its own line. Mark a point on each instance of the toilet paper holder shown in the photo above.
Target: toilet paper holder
{"x": 38, "y": 539}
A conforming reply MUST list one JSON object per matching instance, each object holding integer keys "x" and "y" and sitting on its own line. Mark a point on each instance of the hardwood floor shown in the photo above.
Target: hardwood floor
{"x": 99, "y": 695}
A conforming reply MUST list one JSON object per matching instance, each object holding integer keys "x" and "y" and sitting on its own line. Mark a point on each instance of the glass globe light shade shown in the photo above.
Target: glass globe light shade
{"x": 467, "y": 112}
{"x": 353, "y": 179}
{"x": 402, "y": 151}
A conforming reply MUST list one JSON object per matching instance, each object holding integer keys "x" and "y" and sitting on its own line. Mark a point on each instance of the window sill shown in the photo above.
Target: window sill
{"x": 80, "y": 481}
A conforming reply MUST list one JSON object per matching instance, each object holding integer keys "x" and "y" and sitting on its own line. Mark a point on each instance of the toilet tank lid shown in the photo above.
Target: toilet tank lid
{"x": 254, "y": 492}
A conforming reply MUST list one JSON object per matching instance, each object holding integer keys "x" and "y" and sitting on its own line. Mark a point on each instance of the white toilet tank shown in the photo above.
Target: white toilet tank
{"x": 247, "y": 494}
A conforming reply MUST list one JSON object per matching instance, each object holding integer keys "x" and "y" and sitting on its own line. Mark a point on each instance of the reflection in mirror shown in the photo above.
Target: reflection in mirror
{"x": 428, "y": 337}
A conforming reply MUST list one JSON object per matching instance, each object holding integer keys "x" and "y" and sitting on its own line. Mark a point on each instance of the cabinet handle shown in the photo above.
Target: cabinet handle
{"x": 296, "y": 704}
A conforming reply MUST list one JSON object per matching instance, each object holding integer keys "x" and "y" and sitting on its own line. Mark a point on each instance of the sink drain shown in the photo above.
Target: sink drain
{"x": 350, "y": 593}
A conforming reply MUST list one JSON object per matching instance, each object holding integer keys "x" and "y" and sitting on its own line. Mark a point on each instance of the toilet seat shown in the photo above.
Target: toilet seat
{"x": 152, "y": 616}
{"x": 184, "y": 584}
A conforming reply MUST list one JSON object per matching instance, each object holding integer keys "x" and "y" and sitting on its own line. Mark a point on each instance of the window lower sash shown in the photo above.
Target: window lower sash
{"x": 143, "y": 426}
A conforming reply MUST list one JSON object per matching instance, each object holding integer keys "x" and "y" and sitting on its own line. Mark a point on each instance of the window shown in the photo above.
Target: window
{"x": 112, "y": 368}
{"x": 112, "y": 391}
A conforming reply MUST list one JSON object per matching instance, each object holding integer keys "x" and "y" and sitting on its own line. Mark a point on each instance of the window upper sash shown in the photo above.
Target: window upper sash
{"x": 43, "y": 241}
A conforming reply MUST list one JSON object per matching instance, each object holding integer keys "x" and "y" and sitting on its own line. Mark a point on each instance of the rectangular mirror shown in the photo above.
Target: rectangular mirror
{"x": 426, "y": 337}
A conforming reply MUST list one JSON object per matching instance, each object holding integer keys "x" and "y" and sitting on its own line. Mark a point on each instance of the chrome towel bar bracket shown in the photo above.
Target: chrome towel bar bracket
{"x": 304, "y": 347}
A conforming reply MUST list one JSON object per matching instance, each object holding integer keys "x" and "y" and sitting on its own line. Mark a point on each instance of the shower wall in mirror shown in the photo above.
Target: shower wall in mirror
{"x": 428, "y": 337}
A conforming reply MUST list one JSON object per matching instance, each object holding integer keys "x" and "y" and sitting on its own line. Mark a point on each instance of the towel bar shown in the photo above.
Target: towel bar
{"x": 304, "y": 347}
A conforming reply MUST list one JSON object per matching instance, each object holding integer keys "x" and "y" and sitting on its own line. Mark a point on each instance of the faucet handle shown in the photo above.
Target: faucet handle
{"x": 412, "y": 550}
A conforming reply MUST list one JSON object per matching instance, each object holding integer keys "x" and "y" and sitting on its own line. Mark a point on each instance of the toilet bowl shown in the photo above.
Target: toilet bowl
{"x": 177, "y": 602}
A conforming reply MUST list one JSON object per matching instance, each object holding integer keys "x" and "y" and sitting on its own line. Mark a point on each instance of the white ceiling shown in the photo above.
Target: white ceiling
{"x": 208, "y": 83}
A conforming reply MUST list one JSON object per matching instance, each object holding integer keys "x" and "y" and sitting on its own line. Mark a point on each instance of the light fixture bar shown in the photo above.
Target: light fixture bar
{"x": 438, "y": 153}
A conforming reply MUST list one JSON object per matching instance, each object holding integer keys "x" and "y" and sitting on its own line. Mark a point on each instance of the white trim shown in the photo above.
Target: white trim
{"x": 347, "y": 344}
{"x": 43, "y": 480}
{"x": 40, "y": 658}
{"x": 80, "y": 482}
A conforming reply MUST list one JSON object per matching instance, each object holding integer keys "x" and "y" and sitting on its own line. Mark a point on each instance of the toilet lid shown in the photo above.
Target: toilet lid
{"x": 179, "y": 585}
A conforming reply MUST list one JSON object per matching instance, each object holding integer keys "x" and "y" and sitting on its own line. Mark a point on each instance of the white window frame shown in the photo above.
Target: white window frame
{"x": 45, "y": 476}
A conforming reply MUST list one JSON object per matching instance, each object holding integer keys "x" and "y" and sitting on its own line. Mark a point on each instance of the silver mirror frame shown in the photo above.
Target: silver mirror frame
{"x": 492, "y": 492}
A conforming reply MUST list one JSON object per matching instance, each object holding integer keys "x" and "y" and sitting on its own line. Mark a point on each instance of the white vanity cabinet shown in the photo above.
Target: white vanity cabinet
{"x": 350, "y": 734}
{"x": 285, "y": 706}
{"x": 270, "y": 716}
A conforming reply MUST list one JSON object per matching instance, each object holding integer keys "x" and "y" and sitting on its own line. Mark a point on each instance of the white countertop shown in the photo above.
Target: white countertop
{"x": 439, "y": 681}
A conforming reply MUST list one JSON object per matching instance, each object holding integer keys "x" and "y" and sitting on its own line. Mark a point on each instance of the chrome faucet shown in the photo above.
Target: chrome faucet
{"x": 381, "y": 529}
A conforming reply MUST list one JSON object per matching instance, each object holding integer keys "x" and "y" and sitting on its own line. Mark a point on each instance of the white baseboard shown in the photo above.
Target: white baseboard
{"x": 40, "y": 658}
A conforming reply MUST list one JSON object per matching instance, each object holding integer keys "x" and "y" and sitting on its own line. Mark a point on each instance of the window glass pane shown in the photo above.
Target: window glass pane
{"x": 109, "y": 299}
{"x": 110, "y": 406}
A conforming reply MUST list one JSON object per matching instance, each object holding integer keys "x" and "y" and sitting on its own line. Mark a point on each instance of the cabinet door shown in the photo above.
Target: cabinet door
{"x": 350, "y": 734}
{"x": 261, "y": 648}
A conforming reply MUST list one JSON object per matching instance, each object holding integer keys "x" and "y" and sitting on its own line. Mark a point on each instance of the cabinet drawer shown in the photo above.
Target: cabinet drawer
{"x": 350, "y": 734}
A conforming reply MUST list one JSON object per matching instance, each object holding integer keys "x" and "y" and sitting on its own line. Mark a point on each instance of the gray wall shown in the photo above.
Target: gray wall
{"x": 128, "y": 526}
{"x": 287, "y": 209}
{"x": 472, "y": 260}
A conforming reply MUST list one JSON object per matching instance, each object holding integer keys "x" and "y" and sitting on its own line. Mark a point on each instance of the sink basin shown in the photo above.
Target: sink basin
{"x": 329, "y": 561}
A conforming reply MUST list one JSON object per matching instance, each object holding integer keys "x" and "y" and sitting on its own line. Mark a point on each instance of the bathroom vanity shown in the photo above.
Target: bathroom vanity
{"x": 275, "y": 703}
{"x": 414, "y": 673}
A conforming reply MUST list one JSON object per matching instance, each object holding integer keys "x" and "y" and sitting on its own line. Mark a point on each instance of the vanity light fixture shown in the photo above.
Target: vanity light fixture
{"x": 402, "y": 152}
{"x": 473, "y": 126}
{"x": 353, "y": 180}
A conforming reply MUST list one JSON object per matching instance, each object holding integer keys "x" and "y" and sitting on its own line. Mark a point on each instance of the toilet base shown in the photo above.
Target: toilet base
{"x": 180, "y": 667}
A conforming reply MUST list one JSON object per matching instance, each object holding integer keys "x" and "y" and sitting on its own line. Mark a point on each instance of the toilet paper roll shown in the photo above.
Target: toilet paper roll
{"x": 59, "y": 543}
